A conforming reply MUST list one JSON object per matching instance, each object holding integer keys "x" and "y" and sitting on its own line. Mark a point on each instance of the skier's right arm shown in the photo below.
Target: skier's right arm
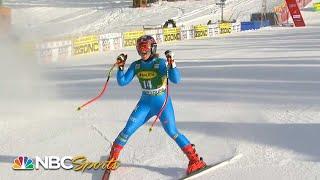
{"x": 124, "y": 78}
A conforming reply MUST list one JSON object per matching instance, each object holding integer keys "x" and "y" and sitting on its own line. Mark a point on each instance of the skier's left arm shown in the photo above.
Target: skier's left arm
{"x": 173, "y": 71}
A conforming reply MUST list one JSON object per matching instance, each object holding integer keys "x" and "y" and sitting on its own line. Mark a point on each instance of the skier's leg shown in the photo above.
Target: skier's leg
{"x": 168, "y": 122}
{"x": 136, "y": 119}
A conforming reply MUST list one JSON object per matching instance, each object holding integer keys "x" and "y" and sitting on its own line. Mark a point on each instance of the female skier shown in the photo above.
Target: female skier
{"x": 152, "y": 74}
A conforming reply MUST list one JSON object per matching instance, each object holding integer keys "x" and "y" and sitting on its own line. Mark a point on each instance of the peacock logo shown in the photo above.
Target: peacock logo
{"x": 22, "y": 163}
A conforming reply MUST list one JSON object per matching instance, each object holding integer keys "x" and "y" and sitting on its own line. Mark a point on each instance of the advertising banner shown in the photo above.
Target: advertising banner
{"x": 316, "y": 6}
{"x": 186, "y": 32}
{"x": 45, "y": 56}
{"x": 236, "y": 27}
{"x": 157, "y": 34}
{"x": 295, "y": 13}
{"x": 225, "y": 28}
{"x": 85, "y": 45}
{"x": 200, "y": 31}
{"x": 54, "y": 51}
{"x": 171, "y": 34}
{"x": 130, "y": 38}
{"x": 111, "y": 41}
{"x": 214, "y": 30}
{"x": 64, "y": 52}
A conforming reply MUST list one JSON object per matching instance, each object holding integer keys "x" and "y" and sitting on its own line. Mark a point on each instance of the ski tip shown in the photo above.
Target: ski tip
{"x": 213, "y": 166}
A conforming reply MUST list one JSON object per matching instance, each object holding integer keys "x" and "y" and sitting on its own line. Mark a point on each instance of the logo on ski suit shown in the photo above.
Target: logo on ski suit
{"x": 147, "y": 75}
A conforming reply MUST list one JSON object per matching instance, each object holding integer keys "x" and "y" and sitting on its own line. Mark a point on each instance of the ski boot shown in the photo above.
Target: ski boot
{"x": 195, "y": 163}
{"x": 115, "y": 152}
{"x": 113, "y": 156}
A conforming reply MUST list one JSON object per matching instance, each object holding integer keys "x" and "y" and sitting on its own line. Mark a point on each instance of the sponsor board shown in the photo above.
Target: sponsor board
{"x": 316, "y": 6}
{"x": 225, "y": 28}
{"x": 171, "y": 34}
{"x": 200, "y": 31}
{"x": 85, "y": 45}
{"x": 111, "y": 41}
{"x": 130, "y": 38}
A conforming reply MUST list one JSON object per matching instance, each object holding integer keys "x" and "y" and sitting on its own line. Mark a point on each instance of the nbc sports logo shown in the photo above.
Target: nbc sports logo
{"x": 49, "y": 162}
{"x": 22, "y": 163}
{"x": 78, "y": 163}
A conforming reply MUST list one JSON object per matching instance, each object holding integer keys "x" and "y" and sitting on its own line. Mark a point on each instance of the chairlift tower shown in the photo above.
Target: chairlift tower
{"x": 263, "y": 10}
{"x": 221, "y": 4}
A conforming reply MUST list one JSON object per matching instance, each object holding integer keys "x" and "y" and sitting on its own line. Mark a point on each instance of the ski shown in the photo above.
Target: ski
{"x": 106, "y": 174}
{"x": 211, "y": 167}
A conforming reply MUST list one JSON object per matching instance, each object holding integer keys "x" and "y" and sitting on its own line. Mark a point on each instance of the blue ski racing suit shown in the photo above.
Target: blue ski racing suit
{"x": 152, "y": 74}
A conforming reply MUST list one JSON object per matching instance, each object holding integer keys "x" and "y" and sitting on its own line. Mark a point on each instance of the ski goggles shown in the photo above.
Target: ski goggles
{"x": 144, "y": 48}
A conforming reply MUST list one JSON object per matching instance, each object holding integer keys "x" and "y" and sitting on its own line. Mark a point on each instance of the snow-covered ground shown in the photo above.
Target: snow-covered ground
{"x": 251, "y": 93}
{"x": 43, "y": 18}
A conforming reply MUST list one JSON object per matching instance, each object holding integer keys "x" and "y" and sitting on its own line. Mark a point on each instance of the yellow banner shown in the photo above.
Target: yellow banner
{"x": 130, "y": 38}
{"x": 225, "y": 28}
{"x": 171, "y": 34}
{"x": 85, "y": 45}
{"x": 316, "y": 6}
{"x": 201, "y": 31}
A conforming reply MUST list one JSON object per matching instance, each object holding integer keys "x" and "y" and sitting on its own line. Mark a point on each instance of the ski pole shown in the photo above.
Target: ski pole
{"x": 101, "y": 92}
{"x": 164, "y": 103}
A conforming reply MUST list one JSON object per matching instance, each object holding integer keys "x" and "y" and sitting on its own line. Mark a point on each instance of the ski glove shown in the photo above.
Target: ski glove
{"x": 169, "y": 55}
{"x": 121, "y": 60}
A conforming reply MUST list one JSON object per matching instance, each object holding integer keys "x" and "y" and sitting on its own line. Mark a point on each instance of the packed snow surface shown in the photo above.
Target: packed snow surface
{"x": 251, "y": 93}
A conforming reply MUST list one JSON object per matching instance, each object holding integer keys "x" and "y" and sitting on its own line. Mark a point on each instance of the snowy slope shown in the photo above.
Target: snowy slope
{"x": 44, "y": 18}
{"x": 251, "y": 93}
